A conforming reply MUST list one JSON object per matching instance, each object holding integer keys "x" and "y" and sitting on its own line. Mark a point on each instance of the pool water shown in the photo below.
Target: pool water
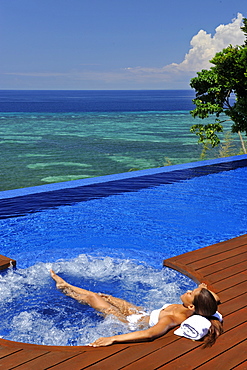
{"x": 33, "y": 311}
{"x": 115, "y": 245}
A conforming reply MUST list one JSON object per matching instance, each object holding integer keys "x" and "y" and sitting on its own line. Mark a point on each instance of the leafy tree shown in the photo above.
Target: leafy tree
{"x": 215, "y": 89}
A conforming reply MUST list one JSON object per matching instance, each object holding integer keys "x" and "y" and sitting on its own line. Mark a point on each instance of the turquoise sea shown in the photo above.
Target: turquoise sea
{"x": 54, "y": 136}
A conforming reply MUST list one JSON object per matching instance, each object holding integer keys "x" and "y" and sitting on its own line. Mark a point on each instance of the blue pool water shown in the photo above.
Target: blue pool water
{"x": 113, "y": 244}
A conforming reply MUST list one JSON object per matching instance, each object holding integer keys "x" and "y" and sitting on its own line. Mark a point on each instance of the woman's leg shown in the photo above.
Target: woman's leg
{"x": 101, "y": 302}
{"x": 125, "y": 307}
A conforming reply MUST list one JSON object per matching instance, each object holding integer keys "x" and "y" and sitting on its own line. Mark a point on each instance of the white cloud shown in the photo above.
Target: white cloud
{"x": 203, "y": 48}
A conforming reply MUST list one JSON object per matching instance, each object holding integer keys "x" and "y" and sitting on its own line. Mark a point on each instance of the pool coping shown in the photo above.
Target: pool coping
{"x": 235, "y": 160}
{"x": 20, "y": 202}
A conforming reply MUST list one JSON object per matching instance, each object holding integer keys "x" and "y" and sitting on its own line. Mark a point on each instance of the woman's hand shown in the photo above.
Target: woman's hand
{"x": 163, "y": 325}
{"x": 101, "y": 342}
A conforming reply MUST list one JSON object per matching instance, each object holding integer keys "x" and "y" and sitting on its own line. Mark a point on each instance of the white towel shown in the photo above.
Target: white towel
{"x": 195, "y": 327}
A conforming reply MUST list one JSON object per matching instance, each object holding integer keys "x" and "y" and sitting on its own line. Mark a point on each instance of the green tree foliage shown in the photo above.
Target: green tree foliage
{"x": 215, "y": 89}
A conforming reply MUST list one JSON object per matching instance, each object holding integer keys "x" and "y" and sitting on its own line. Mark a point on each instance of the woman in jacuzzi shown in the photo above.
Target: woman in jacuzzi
{"x": 197, "y": 314}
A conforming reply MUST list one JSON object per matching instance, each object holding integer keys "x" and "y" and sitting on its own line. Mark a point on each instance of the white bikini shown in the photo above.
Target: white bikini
{"x": 154, "y": 316}
{"x": 134, "y": 319}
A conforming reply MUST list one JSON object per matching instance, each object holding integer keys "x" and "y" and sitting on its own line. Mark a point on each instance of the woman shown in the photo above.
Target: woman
{"x": 199, "y": 301}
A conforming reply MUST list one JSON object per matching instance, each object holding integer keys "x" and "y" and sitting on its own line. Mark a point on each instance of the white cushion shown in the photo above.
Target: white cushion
{"x": 195, "y": 327}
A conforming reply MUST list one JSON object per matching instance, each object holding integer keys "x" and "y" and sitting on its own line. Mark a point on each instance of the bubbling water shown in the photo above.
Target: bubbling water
{"x": 34, "y": 311}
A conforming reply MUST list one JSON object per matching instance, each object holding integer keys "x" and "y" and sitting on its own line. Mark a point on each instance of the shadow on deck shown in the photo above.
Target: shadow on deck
{"x": 222, "y": 266}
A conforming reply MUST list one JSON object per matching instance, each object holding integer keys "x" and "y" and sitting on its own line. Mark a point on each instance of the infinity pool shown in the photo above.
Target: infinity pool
{"x": 110, "y": 241}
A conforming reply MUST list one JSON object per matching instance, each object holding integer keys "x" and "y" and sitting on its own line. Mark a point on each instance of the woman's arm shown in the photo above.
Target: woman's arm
{"x": 155, "y": 331}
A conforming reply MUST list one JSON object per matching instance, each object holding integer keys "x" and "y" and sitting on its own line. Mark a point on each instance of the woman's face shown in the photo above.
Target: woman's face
{"x": 188, "y": 297}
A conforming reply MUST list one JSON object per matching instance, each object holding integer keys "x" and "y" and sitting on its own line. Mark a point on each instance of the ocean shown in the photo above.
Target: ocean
{"x": 55, "y": 136}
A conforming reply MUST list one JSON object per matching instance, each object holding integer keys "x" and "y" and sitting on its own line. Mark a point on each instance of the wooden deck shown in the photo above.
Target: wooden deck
{"x": 223, "y": 266}
{"x": 6, "y": 262}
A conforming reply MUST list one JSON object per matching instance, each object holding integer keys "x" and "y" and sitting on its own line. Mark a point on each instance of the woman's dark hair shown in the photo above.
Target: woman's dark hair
{"x": 206, "y": 305}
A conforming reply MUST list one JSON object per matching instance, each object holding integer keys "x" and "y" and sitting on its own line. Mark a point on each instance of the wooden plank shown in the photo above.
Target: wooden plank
{"x": 133, "y": 354}
{"x": 230, "y": 358}
{"x": 234, "y": 305}
{"x": 227, "y": 272}
{"x": 49, "y": 359}
{"x": 87, "y": 358}
{"x": 230, "y": 281}
{"x": 30, "y": 346}
{"x": 235, "y": 291}
{"x": 221, "y": 265}
{"x": 242, "y": 366}
{"x": 19, "y": 358}
{"x": 184, "y": 263}
{"x": 164, "y": 355}
{"x": 208, "y": 261}
{"x": 196, "y": 276}
{"x": 8, "y": 351}
{"x": 235, "y": 319}
{"x": 212, "y": 276}
{"x": 212, "y": 250}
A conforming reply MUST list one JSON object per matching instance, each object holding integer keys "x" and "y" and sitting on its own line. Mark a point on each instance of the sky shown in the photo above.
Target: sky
{"x": 112, "y": 44}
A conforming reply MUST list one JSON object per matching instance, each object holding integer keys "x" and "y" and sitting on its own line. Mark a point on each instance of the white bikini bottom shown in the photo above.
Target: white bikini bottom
{"x": 134, "y": 320}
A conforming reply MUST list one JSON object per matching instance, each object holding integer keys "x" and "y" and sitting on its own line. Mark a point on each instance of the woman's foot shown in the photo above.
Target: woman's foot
{"x": 68, "y": 289}
{"x": 60, "y": 283}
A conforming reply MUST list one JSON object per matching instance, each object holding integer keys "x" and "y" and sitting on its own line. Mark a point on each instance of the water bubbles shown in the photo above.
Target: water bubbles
{"x": 34, "y": 311}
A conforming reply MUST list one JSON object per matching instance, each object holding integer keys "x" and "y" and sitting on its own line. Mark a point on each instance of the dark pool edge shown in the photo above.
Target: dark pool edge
{"x": 121, "y": 176}
{"x": 18, "y": 202}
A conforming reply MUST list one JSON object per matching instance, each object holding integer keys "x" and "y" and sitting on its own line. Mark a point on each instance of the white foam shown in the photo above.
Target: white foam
{"x": 34, "y": 311}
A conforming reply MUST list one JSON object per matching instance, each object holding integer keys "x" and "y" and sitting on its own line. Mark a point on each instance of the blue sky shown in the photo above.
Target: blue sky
{"x": 112, "y": 44}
